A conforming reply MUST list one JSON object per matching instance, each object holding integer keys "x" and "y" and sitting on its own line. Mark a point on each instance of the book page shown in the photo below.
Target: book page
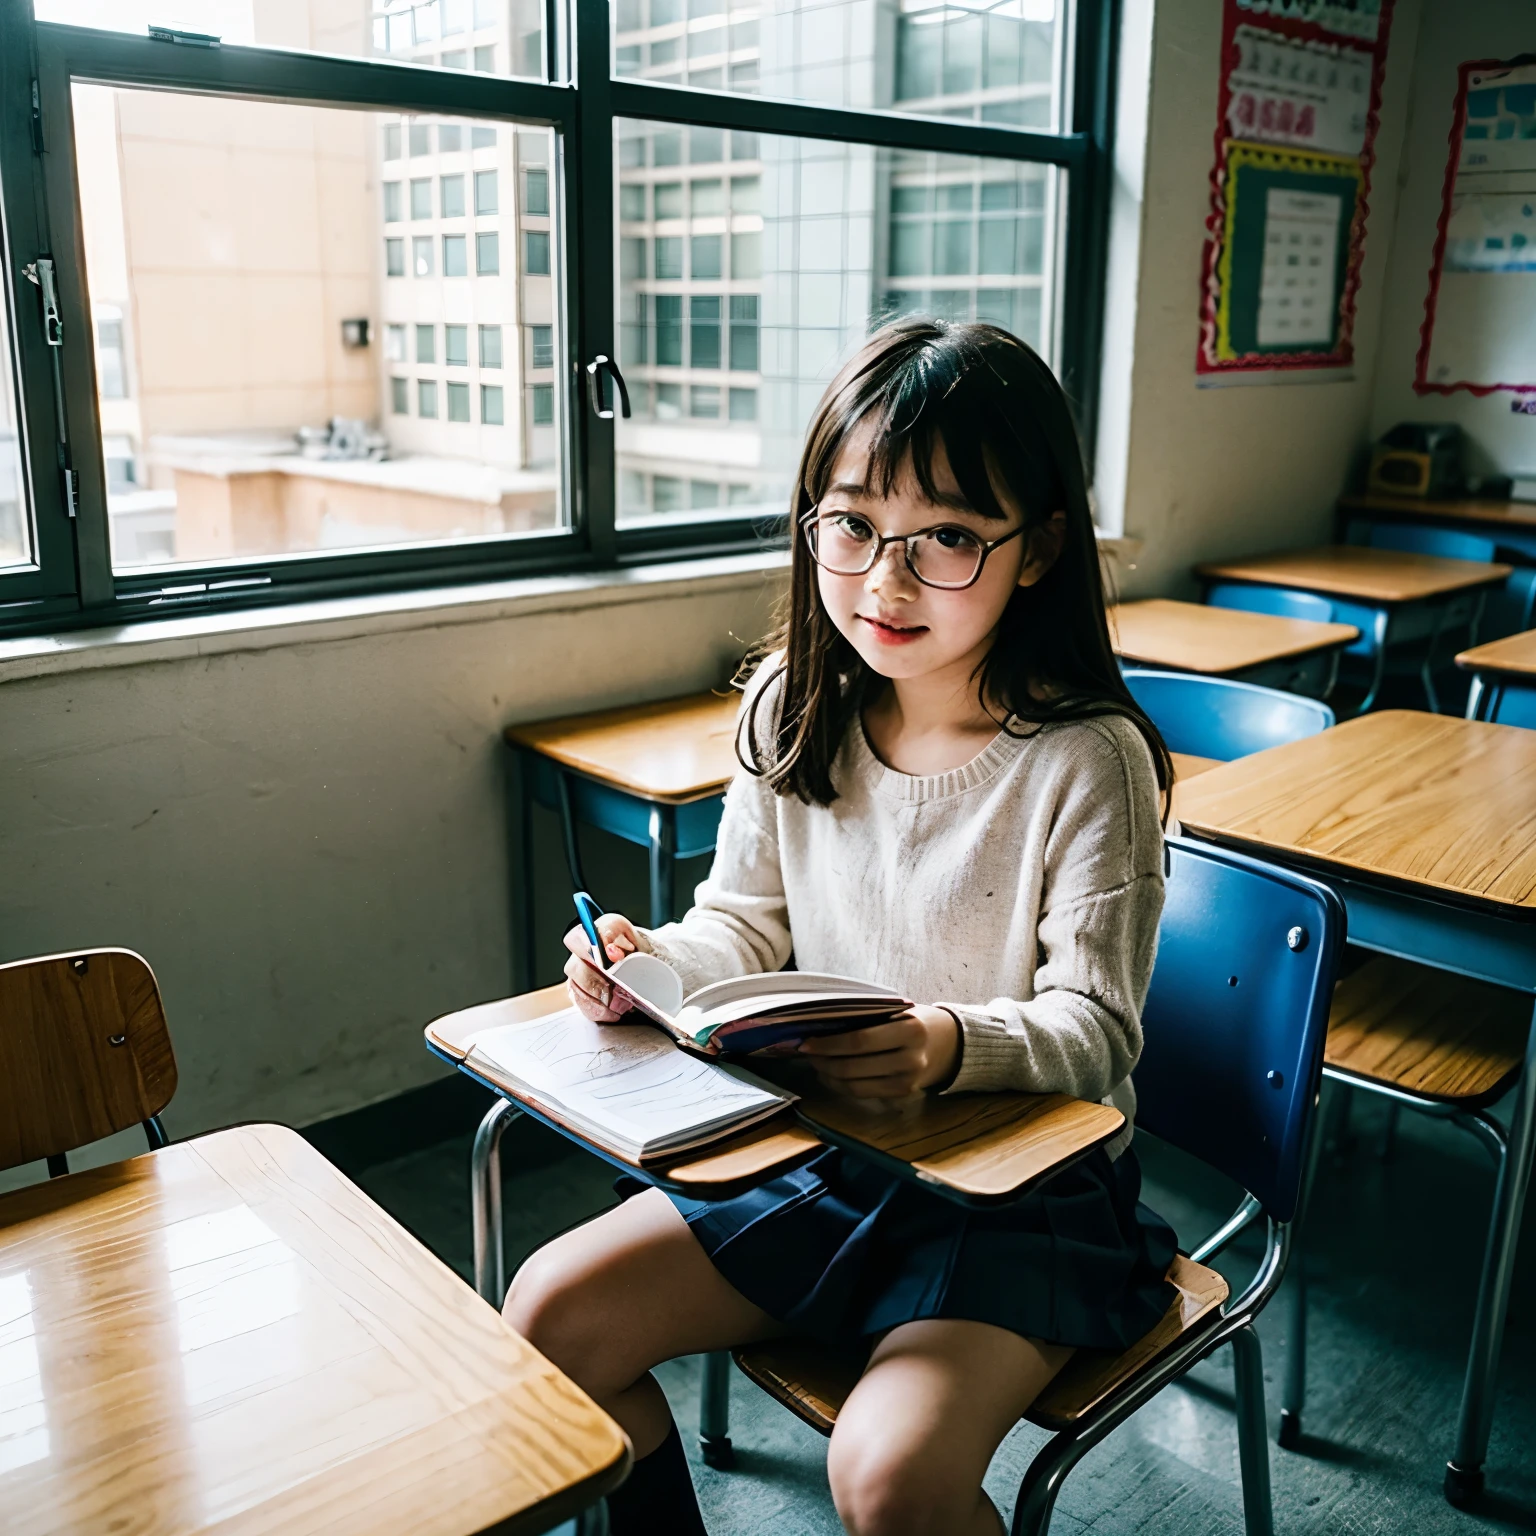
{"x": 778, "y": 983}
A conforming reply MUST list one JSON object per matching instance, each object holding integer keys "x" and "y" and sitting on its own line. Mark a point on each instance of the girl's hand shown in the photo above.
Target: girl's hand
{"x": 889, "y": 1061}
{"x": 587, "y": 985}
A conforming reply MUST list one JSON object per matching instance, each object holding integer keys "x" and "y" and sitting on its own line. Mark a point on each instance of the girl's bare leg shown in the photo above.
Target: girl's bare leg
{"x": 621, "y": 1294}
{"x": 913, "y": 1440}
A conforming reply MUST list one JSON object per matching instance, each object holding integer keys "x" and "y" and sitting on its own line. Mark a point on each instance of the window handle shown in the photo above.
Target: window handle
{"x": 595, "y": 369}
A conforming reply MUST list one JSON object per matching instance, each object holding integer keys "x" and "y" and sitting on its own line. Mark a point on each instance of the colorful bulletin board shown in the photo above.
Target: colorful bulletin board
{"x": 1290, "y": 186}
{"x": 1479, "y": 330}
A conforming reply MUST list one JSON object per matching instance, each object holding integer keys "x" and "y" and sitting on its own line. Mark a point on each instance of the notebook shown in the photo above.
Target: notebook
{"x": 625, "y": 1087}
{"x": 770, "y": 1012}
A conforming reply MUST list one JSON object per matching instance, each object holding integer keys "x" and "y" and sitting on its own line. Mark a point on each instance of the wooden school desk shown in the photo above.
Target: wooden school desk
{"x": 1426, "y": 827}
{"x": 1510, "y": 660}
{"x": 1391, "y": 596}
{"x": 1510, "y": 523}
{"x": 653, "y": 774}
{"x": 227, "y": 1335}
{"x": 1295, "y": 654}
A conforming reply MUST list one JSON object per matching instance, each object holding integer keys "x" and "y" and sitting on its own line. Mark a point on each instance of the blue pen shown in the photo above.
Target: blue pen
{"x": 589, "y": 911}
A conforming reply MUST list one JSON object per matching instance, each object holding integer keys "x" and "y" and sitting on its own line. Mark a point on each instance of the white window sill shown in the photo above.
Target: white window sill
{"x": 256, "y": 629}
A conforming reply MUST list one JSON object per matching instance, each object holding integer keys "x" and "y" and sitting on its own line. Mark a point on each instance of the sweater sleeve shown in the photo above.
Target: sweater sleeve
{"x": 1079, "y": 1030}
{"x": 739, "y": 921}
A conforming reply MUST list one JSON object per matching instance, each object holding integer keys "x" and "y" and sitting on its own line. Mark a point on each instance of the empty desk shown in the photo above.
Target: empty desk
{"x": 1390, "y": 596}
{"x": 227, "y": 1335}
{"x": 1295, "y": 654}
{"x": 1503, "y": 679}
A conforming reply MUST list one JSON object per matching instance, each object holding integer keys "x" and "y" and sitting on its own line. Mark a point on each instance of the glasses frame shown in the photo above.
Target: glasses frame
{"x": 810, "y": 519}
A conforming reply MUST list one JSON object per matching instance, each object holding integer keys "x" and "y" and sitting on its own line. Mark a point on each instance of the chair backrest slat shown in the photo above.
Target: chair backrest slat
{"x": 1237, "y": 1015}
{"x": 1282, "y": 602}
{"x": 1446, "y": 543}
{"x": 1216, "y": 717}
{"x": 1514, "y": 704}
{"x": 84, "y": 1051}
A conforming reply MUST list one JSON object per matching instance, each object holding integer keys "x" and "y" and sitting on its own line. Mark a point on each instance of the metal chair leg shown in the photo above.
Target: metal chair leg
{"x": 593, "y": 1520}
{"x": 485, "y": 1201}
{"x": 1042, "y": 1484}
{"x": 1379, "y": 669}
{"x": 1252, "y": 1433}
{"x": 715, "y": 1411}
{"x": 1389, "y": 1131}
{"x": 1294, "y": 1391}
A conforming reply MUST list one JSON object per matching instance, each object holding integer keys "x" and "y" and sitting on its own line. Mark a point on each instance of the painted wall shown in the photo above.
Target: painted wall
{"x": 1453, "y": 32}
{"x": 307, "y": 841}
{"x": 1195, "y": 473}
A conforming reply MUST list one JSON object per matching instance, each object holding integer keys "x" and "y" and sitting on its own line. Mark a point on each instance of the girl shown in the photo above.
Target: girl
{"x": 947, "y": 789}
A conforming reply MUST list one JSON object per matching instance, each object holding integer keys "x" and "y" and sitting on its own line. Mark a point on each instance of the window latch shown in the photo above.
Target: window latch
{"x": 41, "y": 273}
{"x": 600, "y": 365}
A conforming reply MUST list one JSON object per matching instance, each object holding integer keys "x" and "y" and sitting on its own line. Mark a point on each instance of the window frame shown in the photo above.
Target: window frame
{"x": 71, "y": 582}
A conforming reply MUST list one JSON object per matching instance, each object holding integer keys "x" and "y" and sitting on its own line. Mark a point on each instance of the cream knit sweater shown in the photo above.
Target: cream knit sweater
{"x": 1021, "y": 891}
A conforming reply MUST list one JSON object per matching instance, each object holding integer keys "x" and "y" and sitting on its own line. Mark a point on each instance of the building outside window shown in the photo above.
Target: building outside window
{"x": 426, "y": 398}
{"x": 426, "y": 343}
{"x": 456, "y": 346}
{"x": 451, "y": 192}
{"x": 458, "y": 401}
{"x": 488, "y": 255}
{"x": 394, "y": 258}
{"x": 400, "y": 396}
{"x": 485, "y": 193}
{"x": 421, "y": 255}
{"x": 536, "y": 250}
{"x": 490, "y": 405}
{"x": 392, "y": 204}
{"x": 490, "y": 346}
{"x": 543, "y": 346}
{"x": 543, "y": 404}
{"x": 455, "y": 256}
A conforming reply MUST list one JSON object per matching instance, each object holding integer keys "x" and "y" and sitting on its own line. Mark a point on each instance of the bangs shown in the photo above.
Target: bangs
{"x": 974, "y": 394}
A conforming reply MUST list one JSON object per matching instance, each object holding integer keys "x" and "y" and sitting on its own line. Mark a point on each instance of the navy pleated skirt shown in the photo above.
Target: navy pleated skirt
{"x": 840, "y": 1249}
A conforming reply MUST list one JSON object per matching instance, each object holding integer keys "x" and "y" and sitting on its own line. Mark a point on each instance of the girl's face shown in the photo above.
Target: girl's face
{"x": 900, "y": 627}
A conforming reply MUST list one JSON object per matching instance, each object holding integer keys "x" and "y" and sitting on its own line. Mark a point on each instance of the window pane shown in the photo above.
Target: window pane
{"x": 392, "y": 214}
{"x": 543, "y": 404}
{"x": 542, "y": 346}
{"x": 725, "y": 370}
{"x": 537, "y": 183}
{"x": 995, "y": 63}
{"x": 505, "y": 35}
{"x": 537, "y": 258}
{"x": 490, "y": 405}
{"x": 227, "y": 241}
{"x": 15, "y": 529}
{"x": 485, "y": 192}
{"x": 488, "y": 254}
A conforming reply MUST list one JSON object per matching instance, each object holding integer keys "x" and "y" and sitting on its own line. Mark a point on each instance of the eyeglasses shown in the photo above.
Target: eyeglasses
{"x": 946, "y": 556}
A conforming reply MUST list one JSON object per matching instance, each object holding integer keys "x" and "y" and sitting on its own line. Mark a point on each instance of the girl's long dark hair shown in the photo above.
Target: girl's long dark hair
{"x": 994, "y": 404}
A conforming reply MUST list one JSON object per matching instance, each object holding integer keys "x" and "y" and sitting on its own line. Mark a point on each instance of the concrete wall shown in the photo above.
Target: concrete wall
{"x": 1201, "y": 473}
{"x": 1452, "y": 33}
{"x": 307, "y": 839}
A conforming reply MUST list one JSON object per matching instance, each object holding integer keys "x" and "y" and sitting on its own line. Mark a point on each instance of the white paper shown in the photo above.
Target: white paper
{"x": 1298, "y": 303}
{"x": 1307, "y": 95}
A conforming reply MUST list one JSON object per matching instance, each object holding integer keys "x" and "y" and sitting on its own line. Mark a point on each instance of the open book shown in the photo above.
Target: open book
{"x": 625, "y": 1087}
{"x": 773, "y": 1011}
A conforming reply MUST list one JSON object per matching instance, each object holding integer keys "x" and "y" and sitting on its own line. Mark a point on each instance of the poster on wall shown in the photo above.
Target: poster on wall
{"x": 1290, "y": 186}
{"x": 1479, "y": 330}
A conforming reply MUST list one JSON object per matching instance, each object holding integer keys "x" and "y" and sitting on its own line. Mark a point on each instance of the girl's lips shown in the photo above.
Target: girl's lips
{"x": 892, "y": 634}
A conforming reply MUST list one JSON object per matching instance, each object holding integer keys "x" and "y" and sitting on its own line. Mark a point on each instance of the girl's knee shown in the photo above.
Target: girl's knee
{"x": 882, "y": 1488}
{"x": 551, "y": 1302}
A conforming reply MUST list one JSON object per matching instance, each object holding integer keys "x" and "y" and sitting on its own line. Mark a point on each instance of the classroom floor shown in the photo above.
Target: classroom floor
{"x": 1395, "y": 1249}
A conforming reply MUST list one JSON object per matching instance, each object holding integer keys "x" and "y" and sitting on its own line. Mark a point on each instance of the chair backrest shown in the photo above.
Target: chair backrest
{"x": 1513, "y": 705}
{"x": 1280, "y": 601}
{"x": 1237, "y": 1015}
{"x": 1445, "y": 542}
{"x": 1215, "y": 717}
{"x": 84, "y": 1051}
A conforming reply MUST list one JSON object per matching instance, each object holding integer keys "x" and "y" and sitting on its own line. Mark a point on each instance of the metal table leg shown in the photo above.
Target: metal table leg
{"x": 485, "y": 1201}
{"x": 715, "y": 1411}
{"x": 1464, "y": 1473}
{"x": 663, "y": 862}
{"x": 524, "y": 888}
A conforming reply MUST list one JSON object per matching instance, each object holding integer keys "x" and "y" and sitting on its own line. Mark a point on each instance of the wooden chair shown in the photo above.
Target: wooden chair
{"x": 1234, "y": 1028}
{"x": 1441, "y": 1044}
{"x": 84, "y": 1053}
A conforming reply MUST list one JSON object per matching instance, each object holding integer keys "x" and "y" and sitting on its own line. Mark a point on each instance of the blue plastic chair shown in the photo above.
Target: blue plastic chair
{"x": 1215, "y": 717}
{"x": 1234, "y": 1026}
{"x": 1446, "y": 543}
{"x": 1283, "y": 602}
{"x": 1502, "y": 701}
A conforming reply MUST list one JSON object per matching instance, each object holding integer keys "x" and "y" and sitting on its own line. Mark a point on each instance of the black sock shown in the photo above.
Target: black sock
{"x": 657, "y": 1499}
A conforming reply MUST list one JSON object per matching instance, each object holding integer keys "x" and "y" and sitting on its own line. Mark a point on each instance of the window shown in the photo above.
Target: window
{"x": 743, "y": 266}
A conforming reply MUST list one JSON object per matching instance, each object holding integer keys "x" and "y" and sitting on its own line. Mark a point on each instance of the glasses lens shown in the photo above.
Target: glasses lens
{"x": 842, "y": 543}
{"x": 946, "y": 557}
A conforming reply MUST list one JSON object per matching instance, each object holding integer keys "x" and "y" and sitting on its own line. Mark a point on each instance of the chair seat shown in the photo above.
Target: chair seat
{"x": 1426, "y": 1032}
{"x": 813, "y": 1379}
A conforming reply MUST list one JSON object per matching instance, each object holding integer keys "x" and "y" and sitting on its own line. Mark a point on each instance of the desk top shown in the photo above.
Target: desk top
{"x": 1194, "y": 637}
{"x": 1489, "y": 515}
{"x": 228, "y": 1335}
{"x": 677, "y": 750}
{"x": 1384, "y": 576}
{"x": 984, "y": 1146}
{"x": 1514, "y": 655}
{"x": 1431, "y": 801}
